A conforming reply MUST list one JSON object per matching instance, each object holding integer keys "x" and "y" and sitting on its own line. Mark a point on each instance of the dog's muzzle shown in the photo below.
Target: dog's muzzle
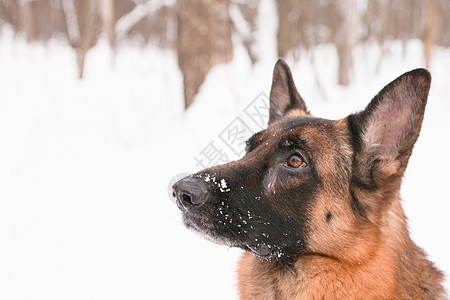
{"x": 190, "y": 192}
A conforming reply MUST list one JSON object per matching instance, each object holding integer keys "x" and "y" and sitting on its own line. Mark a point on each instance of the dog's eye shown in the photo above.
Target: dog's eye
{"x": 295, "y": 161}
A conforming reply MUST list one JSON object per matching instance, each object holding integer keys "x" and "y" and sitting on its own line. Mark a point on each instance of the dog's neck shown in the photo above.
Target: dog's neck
{"x": 374, "y": 275}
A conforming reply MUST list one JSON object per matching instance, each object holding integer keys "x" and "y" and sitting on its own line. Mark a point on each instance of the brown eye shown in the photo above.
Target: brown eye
{"x": 295, "y": 161}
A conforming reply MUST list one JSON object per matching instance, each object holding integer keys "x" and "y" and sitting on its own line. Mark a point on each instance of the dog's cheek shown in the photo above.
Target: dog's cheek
{"x": 278, "y": 184}
{"x": 334, "y": 230}
{"x": 288, "y": 202}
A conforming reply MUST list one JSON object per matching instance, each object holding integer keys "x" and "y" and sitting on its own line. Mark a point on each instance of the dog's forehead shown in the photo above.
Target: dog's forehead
{"x": 305, "y": 128}
{"x": 299, "y": 132}
{"x": 302, "y": 122}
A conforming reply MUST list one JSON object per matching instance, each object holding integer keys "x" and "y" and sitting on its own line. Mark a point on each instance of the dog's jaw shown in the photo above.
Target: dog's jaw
{"x": 262, "y": 251}
{"x": 265, "y": 252}
{"x": 208, "y": 233}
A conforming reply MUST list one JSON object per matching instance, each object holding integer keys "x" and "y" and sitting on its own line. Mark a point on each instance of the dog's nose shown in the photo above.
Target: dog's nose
{"x": 190, "y": 192}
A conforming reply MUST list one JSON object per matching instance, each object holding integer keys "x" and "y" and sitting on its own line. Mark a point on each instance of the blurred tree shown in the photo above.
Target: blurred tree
{"x": 37, "y": 19}
{"x": 304, "y": 24}
{"x": 85, "y": 26}
{"x": 108, "y": 21}
{"x": 147, "y": 22}
{"x": 290, "y": 29}
{"x": 29, "y": 19}
{"x": 80, "y": 27}
{"x": 73, "y": 32}
{"x": 204, "y": 40}
{"x": 431, "y": 29}
{"x": 202, "y": 36}
{"x": 444, "y": 33}
{"x": 9, "y": 13}
{"x": 243, "y": 17}
{"x": 347, "y": 38}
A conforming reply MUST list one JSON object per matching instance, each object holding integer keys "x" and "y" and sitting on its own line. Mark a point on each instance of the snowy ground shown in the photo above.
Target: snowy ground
{"x": 85, "y": 165}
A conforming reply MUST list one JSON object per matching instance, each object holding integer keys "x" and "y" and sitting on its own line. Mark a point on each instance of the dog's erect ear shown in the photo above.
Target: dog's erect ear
{"x": 283, "y": 95}
{"x": 389, "y": 126}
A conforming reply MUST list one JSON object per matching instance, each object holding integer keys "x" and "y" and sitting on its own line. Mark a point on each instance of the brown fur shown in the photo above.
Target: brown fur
{"x": 350, "y": 256}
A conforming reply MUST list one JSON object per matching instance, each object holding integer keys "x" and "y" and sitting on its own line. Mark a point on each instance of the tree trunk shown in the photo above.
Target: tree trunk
{"x": 108, "y": 20}
{"x": 289, "y": 34}
{"x": 346, "y": 39}
{"x": 29, "y": 19}
{"x": 431, "y": 30}
{"x": 85, "y": 25}
{"x": 204, "y": 40}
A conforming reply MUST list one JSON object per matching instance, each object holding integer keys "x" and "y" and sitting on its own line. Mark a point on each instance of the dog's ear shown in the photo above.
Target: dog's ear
{"x": 284, "y": 97}
{"x": 387, "y": 129}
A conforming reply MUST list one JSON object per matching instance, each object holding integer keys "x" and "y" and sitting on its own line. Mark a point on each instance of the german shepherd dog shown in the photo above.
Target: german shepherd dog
{"x": 315, "y": 203}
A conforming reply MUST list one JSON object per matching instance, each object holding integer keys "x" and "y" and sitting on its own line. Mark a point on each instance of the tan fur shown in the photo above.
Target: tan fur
{"x": 296, "y": 113}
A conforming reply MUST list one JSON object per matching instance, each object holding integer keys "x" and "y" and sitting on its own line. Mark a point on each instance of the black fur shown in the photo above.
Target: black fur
{"x": 251, "y": 215}
{"x": 328, "y": 217}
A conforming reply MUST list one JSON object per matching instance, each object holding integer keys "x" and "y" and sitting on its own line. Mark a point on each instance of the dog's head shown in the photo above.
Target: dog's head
{"x": 308, "y": 185}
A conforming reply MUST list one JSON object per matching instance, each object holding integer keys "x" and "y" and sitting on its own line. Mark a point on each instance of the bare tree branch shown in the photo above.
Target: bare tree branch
{"x": 140, "y": 11}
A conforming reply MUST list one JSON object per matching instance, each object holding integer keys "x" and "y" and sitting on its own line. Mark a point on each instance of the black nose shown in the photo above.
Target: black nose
{"x": 190, "y": 192}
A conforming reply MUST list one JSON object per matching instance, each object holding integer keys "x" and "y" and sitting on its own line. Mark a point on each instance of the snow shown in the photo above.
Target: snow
{"x": 223, "y": 183}
{"x": 223, "y": 187}
{"x": 86, "y": 166}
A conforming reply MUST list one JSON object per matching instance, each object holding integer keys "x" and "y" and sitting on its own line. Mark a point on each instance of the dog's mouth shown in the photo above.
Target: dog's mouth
{"x": 203, "y": 227}
{"x": 262, "y": 250}
{"x": 199, "y": 225}
{"x": 259, "y": 244}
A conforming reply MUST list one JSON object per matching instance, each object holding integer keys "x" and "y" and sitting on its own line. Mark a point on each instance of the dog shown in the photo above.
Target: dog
{"x": 315, "y": 203}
